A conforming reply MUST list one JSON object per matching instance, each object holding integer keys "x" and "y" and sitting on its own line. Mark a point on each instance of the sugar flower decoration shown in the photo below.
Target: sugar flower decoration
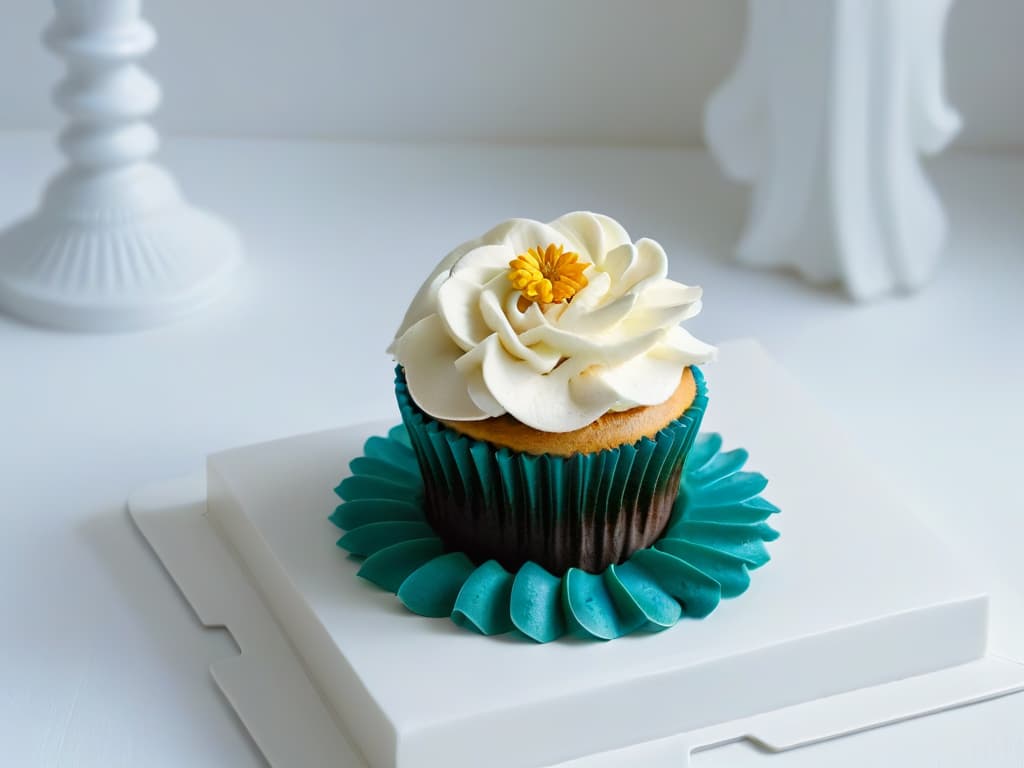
{"x": 548, "y": 275}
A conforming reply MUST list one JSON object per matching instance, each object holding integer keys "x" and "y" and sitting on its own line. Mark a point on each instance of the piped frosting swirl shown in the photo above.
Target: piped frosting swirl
{"x": 555, "y": 324}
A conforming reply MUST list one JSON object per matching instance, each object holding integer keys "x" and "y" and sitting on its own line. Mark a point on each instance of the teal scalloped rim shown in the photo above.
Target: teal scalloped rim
{"x": 716, "y": 536}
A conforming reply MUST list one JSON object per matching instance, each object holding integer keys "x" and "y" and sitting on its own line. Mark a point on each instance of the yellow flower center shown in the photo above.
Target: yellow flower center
{"x": 548, "y": 275}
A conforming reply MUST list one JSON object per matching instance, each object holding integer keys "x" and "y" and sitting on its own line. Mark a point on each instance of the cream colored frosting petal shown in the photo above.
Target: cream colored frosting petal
{"x": 651, "y": 259}
{"x": 522, "y": 320}
{"x": 661, "y": 293}
{"x": 604, "y": 351}
{"x": 595, "y": 233}
{"x": 649, "y": 265}
{"x": 481, "y": 264}
{"x": 539, "y": 360}
{"x": 458, "y": 307}
{"x": 663, "y": 304}
{"x": 458, "y": 297}
{"x": 542, "y": 402}
{"x": 680, "y": 345}
{"x": 428, "y": 356}
{"x": 644, "y": 380}
{"x": 470, "y": 365}
{"x": 423, "y": 305}
{"x": 592, "y": 296}
{"x": 616, "y": 263}
{"x": 425, "y": 301}
{"x": 599, "y": 319}
{"x": 527, "y": 233}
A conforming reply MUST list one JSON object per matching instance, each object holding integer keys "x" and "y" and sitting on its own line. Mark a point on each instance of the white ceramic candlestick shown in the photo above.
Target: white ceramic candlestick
{"x": 113, "y": 245}
{"x": 825, "y": 115}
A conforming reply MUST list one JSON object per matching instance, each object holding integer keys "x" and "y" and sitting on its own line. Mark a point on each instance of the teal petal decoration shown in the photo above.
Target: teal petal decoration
{"x": 353, "y": 514}
{"x": 368, "y": 465}
{"x": 738, "y": 486}
{"x": 592, "y": 610}
{"x": 483, "y": 602}
{"x": 633, "y": 588}
{"x": 697, "y": 592}
{"x": 703, "y": 451}
{"x": 728, "y": 571}
{"x": 393, "y": 452}
{"x": 371, "y": 487}
{"x": 535, "y": 604}
{"x": 399, "y": 434}
{"x": 433, "y": 588}
{"x": 716, "y": 537}
{"x": 388, "y": 568}
{"x": 369, "y": 538}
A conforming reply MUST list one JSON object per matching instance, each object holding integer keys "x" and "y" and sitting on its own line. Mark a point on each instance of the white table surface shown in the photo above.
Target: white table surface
{"x": 102, "y": 662}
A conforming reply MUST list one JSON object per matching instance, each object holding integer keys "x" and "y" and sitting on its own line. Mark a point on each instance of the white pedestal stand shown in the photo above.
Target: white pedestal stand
{"x": 113, "y": 245}
{"x": 824, "y": 117}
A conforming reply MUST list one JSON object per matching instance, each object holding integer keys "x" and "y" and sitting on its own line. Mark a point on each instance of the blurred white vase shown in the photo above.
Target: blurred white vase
{"x": 825, "y": 117}
{"x": 113, "y": 245}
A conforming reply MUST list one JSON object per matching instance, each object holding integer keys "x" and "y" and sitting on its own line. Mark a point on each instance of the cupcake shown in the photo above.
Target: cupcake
{"x": 550, "y": 394}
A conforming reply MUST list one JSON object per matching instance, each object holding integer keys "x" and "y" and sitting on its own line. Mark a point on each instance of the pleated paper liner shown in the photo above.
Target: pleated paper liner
{"x": 715, "y": 538}
{"x": 584, "y": 511}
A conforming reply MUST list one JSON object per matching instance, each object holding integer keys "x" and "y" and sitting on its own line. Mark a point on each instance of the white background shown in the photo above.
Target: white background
{"x": 607, "y": 71}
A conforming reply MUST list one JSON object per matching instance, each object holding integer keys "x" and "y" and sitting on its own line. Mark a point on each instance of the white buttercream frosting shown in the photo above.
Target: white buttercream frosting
{"x": 472, "y": 349}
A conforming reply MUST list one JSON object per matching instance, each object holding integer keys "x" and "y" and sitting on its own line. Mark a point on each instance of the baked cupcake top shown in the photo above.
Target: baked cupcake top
{"x": 554, "y": 324}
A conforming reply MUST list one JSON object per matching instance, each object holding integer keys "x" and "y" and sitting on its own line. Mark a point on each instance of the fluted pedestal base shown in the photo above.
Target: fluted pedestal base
{"x": 114, "y": 251}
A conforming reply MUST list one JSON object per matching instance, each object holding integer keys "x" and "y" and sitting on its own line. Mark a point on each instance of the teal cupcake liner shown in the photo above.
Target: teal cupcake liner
{"x": 586, "y": 511}
{"x": 715, "y": 538}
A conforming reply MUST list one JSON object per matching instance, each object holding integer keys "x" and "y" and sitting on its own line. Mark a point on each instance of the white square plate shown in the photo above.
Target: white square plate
{"x": 858, "y": 594}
